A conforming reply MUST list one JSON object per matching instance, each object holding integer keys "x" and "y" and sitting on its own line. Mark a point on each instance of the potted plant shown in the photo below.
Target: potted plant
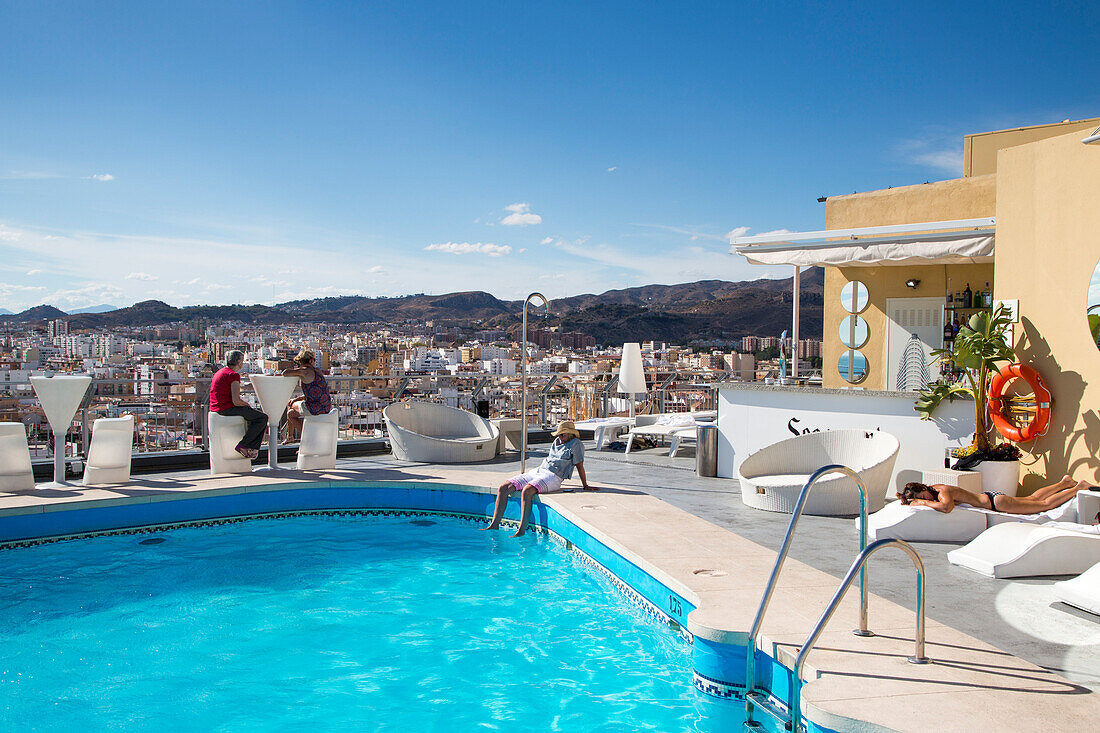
{"x": 974, "y": 355}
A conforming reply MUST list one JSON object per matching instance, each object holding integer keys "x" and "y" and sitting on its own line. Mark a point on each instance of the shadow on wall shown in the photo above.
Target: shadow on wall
{"x": 1033, "y": 349}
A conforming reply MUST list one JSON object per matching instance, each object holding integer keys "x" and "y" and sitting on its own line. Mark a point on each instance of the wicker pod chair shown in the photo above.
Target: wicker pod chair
{"x": 772, "y": 477}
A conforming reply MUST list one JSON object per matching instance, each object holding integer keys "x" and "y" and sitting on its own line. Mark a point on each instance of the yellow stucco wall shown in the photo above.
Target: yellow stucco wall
{"x": 980, "y": 150}
{"x": 961, "y": 198}
{"x": 1048, "y": 243}
{"x": 884, "y": 283}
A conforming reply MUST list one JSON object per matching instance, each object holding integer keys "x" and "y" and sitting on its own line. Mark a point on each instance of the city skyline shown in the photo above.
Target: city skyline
{"x": 211, "y": 154}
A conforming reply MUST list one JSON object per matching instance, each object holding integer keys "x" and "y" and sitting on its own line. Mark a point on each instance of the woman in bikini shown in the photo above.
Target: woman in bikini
{"x": 315, "y": 400}
{"x": 943, "y": 497}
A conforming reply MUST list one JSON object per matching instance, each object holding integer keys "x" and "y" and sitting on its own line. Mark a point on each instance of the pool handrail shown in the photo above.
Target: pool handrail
{"x": 918, "y": 657}
{"x": 758, "y": 621}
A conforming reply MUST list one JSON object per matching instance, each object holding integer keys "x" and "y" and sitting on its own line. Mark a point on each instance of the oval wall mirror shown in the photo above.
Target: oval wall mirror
{"x": 854, "y": 332}
{"x": 854, "y": 297}
{"x": 1092, "y": 306}
{"x": 852, "y": 365}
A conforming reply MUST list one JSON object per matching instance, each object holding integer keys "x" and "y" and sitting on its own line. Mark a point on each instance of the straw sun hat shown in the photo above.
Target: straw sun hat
{"x": 566, "y": 426}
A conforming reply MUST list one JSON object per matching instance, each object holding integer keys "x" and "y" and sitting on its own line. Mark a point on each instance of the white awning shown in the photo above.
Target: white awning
{"x": 909, "y": 244}
{"x": 889, "y": 251}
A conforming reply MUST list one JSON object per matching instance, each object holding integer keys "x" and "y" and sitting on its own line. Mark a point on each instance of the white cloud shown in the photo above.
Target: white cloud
{"x": 521, "y": 216}
{"x": 559, "y": 242}
{"x": 34, "y": 272}
{"x": 328, "y": 291}
{"x": 775, "y": 232}
{"x": 28, "y": 176}
{"x": 376, "y": 270}
{"x": 142, "y": 276}
{"x": 465, "y": 248}
{"x": 192, "y": 281}
{"x": 947, "y": 161}
{"x": 939, "y": 149}
{"x": 92, "y": 293}
{"x": 101, "y": 177}
{"x": 737, "y": 232}
{"x": 612, "y": 169}
{"x": 217, "y": 286}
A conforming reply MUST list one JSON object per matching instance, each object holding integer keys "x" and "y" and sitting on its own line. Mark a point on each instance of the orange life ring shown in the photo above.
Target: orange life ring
{"x": 1038, "y": 424}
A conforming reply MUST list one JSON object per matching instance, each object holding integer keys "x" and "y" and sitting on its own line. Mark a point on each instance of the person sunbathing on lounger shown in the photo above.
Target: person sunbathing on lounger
{"x": 944, "y": 498}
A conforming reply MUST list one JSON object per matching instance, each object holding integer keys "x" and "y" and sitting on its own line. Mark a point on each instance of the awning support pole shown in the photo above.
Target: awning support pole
{"x": 794, "y": 324}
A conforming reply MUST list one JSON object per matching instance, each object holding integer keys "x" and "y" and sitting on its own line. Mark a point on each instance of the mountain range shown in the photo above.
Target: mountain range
{"x": 706, "y": 310}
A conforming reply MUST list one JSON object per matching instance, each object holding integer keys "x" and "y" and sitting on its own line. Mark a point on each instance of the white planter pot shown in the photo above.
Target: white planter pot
{"x": 1002, "y": 476}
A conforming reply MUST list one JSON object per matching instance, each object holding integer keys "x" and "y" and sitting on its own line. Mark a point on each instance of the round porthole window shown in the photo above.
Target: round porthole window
{"x": 852, "y": 366}
{"x": 854, "y": 332}
{"x": 854, "y": 297}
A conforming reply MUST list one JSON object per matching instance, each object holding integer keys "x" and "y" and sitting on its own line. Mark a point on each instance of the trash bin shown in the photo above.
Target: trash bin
{"x": 706, "y": 451}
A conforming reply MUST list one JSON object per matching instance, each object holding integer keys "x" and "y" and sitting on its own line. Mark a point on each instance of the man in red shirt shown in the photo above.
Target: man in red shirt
{"x": 225, "y": 399}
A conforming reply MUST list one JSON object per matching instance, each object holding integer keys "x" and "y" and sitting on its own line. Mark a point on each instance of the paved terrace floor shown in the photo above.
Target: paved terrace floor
{"x": 1018, "y": 617}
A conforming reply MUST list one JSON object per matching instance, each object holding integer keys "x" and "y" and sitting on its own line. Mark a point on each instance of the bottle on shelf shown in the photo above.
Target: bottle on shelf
{"x": 955, "y": 326}
{"x": 968, "y": 297}
{"x": 987, "y": 297}
{"x": 949, "y": 301}
{"x": 948, "y": 332}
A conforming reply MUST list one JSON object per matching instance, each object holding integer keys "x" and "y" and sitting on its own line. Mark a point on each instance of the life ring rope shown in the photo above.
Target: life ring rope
{"x": 1039, "y": 421}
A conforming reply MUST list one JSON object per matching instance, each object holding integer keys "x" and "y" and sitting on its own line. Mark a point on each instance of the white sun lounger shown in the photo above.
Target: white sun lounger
{"x": 605, "y": 429}
{"x": 1021, "y": 550}
{"x": 1081, "y": 592}
{"x": 675, "y": 425}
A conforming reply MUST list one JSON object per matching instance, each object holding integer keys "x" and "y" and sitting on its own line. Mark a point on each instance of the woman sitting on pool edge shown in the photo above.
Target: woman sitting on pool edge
{"x": 944, "y": 497}
{"x": 566, "y": 452}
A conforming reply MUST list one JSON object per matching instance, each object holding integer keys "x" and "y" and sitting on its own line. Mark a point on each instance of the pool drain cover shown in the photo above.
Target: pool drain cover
{"x": 422, "y": 522}
{"x": 152, "y": 541}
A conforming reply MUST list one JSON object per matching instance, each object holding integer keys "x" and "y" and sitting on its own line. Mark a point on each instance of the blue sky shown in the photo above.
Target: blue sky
{"x": 251, "y": 152}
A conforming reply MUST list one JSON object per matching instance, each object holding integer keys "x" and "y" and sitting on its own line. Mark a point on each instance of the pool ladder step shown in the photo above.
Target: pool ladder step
{"x": 761, "y": 701}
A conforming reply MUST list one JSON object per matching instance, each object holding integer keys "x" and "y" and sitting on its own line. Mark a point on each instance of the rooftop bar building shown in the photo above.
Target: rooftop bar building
{"x": 1022, "y": 227}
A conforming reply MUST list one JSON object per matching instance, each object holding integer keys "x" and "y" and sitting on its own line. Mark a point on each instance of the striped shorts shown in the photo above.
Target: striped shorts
{"x": 543, "y": 480}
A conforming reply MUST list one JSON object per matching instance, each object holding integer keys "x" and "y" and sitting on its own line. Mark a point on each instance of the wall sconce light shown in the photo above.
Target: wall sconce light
{"x": 912, "y": 283}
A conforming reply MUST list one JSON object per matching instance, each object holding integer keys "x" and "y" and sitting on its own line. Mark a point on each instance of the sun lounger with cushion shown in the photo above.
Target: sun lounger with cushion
{"x": 962, "y": 524}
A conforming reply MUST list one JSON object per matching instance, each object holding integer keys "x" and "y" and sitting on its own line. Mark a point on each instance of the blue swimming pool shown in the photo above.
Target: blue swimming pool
{"x": 405, "y": 622}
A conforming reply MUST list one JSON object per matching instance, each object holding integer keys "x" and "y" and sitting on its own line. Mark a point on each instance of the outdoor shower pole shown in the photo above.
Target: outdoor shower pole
{"x": 523, "y": 381}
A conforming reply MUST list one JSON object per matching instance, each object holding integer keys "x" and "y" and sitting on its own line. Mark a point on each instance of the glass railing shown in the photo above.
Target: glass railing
{"x": 171, "y": 414}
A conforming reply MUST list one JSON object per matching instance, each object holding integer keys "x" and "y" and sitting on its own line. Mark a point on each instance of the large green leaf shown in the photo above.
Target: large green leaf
{"x": 979, "y": 346}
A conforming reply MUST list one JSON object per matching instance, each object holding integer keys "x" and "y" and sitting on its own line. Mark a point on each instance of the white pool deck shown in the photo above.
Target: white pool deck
{"x": 854, "y": 684}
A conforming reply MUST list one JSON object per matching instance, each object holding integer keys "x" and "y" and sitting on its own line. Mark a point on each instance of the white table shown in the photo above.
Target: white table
{"x": 59, "y": 397}
{"x": 274, "y": 392}
{"x": 510, "y": 430}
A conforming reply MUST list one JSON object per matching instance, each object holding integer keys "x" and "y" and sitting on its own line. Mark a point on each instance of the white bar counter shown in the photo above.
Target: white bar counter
{"x": 752, "y": 415}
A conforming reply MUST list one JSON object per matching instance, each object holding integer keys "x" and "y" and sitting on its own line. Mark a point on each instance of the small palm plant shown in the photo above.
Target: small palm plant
{"x": 978, "y": 348}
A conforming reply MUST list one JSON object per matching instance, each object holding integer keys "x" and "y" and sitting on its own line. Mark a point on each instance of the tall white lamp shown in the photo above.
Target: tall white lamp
{"x": 631, "y": 373}
{"x": 59, "y": 397}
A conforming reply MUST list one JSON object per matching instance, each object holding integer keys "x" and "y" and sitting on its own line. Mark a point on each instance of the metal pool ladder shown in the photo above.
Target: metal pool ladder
{"x": 758, "y": 699}
{"x": 800, "y": 661}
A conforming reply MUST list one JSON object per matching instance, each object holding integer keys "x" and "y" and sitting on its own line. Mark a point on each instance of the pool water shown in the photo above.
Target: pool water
{"x": 333, "y": 623}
